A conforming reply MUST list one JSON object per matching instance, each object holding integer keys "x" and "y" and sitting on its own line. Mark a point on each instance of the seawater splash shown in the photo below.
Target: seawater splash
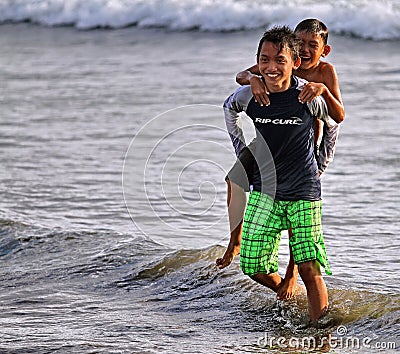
{"x": 372, "y": 19}
{"x": 99, "y": 279}
{"x": 187, "y": 281}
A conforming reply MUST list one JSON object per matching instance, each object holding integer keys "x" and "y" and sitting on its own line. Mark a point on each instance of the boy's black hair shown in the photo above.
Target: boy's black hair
{"x": 312, "y": 25}
{"x": 282, "y": 36}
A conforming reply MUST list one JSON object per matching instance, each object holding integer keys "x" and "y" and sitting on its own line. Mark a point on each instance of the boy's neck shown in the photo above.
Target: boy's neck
{"x": 306, "y": 73}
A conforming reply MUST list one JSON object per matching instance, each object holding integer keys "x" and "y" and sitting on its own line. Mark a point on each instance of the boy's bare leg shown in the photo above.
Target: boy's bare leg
{"x": 289, "y": 285}
{"x": 285, "y": 288}
{"x": 272, "y": 280}
{"x": 317, "y": 293}
{"x": 236, "y": 207}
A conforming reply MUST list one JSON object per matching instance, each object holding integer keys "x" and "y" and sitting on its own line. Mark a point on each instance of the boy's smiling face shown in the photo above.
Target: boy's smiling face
{"x": 312, "y": 49}
{"x": 276, "y": 66}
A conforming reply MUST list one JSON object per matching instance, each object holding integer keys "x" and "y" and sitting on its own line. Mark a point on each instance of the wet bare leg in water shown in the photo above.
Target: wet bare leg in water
{"x": 236, "y": 208}
{"x": 284, "y": 287}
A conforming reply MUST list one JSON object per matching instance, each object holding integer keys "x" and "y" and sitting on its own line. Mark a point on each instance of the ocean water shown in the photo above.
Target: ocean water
{"x": 114, "y": 152}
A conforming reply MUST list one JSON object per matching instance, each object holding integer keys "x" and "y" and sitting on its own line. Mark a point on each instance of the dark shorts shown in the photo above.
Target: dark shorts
{"x": 242, "y": 171}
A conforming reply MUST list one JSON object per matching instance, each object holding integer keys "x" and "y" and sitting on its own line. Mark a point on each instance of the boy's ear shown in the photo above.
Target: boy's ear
{"x": 327, "y": 50}
{"x": 297, "y": 63}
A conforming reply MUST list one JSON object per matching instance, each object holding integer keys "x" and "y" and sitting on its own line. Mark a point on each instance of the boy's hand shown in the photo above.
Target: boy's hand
{"x": 259, "y": 90}
{"x": 310, "y": 91}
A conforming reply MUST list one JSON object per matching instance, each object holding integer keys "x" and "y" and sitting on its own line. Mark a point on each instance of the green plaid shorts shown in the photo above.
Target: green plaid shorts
{"x": 264, "y": 220}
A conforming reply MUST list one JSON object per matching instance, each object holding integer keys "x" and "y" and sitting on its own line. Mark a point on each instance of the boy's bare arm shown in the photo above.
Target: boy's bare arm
{"x": 332, "y": 96}
{"x": 243, "y": 78}
{"x": 251, "y": 76}
{"x": 329, "y": 89}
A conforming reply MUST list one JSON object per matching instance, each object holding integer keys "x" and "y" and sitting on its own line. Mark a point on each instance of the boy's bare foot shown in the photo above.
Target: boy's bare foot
{"x": 228, "y": 256}
{"x": 288, "y": 288}
{"x": 324, "y": 321}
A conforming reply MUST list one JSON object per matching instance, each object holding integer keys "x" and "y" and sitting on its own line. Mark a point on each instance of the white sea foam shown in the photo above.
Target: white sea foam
{"x": 375, "y": 19}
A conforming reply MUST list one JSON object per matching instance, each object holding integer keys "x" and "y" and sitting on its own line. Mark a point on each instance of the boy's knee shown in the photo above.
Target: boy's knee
{"x": 253, "y": 277}
{"x": 249, "y": 272}
{"x": 309, "y": 269}
{"x": 261, "y": 276}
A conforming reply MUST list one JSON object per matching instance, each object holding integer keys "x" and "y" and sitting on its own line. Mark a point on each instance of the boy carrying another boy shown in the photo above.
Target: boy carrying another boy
{"x": 323, "y": 81}
{"x": 286, "y": 127}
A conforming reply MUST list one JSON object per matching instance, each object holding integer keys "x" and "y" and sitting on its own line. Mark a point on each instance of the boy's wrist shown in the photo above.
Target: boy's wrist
{"x": 244, "y": 77}
{"x": 251, "y": 76}
{"x": 325, "y": 90}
